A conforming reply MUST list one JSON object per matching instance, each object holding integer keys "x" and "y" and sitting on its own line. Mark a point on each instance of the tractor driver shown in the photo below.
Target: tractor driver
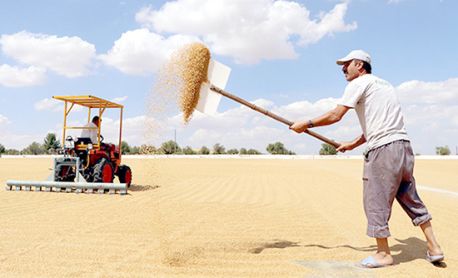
{"x": 91, "y": 129}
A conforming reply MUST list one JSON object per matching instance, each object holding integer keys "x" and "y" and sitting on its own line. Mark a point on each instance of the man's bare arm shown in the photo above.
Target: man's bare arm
{"x": 348, "y": 146}
{"x": 327, "y": 118}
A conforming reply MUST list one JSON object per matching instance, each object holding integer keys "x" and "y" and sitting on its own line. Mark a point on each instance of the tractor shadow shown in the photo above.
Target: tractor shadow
{"x": 405, "y": 250}
{"x": 140, "y": 187}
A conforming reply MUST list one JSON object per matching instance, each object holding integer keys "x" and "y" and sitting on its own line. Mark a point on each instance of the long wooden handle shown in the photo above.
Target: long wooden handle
{"x": 270, "y": 114}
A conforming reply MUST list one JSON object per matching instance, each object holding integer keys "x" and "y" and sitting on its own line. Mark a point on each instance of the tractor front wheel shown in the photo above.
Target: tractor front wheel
{"x": 125, "y": 175}
{"x": 64, "y": 173}
{"x": 103, "y": 171}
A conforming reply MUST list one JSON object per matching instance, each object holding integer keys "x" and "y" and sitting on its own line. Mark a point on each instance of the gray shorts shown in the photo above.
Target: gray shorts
{"x": 388, "y": 173}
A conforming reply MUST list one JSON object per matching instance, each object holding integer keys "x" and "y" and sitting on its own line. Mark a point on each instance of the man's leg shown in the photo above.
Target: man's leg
{"x": 381, "y": 258}
{"x": 433, "y": 245}
{"x": 383, "y": 255}
{"x": 409, "y": 200}
{"x": 381, "y": 181}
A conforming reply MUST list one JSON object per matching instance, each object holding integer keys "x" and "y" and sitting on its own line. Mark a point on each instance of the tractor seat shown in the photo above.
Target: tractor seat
{"x": 108, "y": 147}
{"x": 83, "y": 140}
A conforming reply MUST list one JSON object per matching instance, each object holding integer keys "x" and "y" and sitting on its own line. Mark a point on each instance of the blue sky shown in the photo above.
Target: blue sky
{"x": 282, "y": 55}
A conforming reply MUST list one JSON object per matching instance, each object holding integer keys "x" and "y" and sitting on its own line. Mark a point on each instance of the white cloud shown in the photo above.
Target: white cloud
{"x": 142, "y": 52}
{"x": 119, "y": 99}
{"x": 4, "y": 120}
{"x": 430, "y": 110}
{"x": 54, "y": 105}
{"x": 11, "y": 76}
{"x": 430, "y": 104}
{"x": 248, "y": 31}
{"x": 442, "y": 92}
{"x": 12, "y": 140}
{"x": 306, "y": 109}
{"x": 48, "y": 104}
{"x": 67, "y": 56}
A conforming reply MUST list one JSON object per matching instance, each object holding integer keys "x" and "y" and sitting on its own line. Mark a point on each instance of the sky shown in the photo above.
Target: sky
{"x": 281, "y": 53}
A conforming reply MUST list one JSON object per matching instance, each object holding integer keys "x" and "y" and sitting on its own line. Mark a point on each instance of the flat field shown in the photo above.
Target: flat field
{"x": 219, "y": 218}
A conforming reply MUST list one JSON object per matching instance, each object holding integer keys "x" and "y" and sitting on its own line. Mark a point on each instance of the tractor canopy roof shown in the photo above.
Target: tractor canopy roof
{"x": 89, "y": 101}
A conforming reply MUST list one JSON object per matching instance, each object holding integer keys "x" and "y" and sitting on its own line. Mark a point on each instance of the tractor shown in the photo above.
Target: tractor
{"x": 85, "y": 164}
{"x": 96, "y": 161}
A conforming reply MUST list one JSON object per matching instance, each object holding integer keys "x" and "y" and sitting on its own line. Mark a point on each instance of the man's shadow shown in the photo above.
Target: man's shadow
{"x": 281, "y": 244}
{"x": 409, "y": 249}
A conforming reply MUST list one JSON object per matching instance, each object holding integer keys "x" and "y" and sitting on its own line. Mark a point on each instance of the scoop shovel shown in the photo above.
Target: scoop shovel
{"x": 211, "y": 92}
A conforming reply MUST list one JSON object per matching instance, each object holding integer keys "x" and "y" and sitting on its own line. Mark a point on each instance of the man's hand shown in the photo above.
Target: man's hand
{"x": 346, "y": 146}
{"x": 299, "y": 127}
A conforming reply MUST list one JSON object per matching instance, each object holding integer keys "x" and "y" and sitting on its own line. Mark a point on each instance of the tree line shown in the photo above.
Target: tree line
{"x": 51, "y": 145}
{"x": 171, "y": 147}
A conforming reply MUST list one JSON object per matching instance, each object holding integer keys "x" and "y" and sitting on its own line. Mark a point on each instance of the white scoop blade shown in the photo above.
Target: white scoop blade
{"x": 218, "y": 74}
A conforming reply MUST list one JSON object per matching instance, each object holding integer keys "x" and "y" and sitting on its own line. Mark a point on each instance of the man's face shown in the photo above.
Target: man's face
{"x": 352, "y": 69}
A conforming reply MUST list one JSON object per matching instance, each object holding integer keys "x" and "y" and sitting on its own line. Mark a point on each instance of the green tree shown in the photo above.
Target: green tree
{"x": 188, "y": 150}
{"x": 2, "y": 149}
{"x": 147, "y": 149}
{"x": 278, "y": 148}
{"x": 125, "y": 148}
{"x": 327, "y": 149}
{"x": 51, "y": 144}
{"x": 253, "y": 151}
{"x": 204, "y": 150}
{"x": 135, "y": 150}
{"x": 243, "y": 151}
{"x": 443, "y": 150}
{"x": 169, "y": 147}
{"x": 233, "y": 151}
{"x": 219, "y": 149}
{"x": 34, "y": 148}
{"x": 12, "y": 152}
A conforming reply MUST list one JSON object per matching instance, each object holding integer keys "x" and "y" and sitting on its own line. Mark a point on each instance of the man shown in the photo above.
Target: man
{"x": 389, "y": 160}
{"x": 91, "y": 130}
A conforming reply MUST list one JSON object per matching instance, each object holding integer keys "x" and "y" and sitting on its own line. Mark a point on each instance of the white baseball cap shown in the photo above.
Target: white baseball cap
{"x": 355, "y": 54}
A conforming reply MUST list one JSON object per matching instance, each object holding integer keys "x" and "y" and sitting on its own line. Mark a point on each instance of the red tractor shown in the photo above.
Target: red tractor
{"x": 88, "y": 158}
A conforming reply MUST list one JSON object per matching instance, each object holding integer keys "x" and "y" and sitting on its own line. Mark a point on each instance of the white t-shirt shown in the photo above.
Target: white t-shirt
{"x": 91, "y": 133}
{"x": 378, "y": 110}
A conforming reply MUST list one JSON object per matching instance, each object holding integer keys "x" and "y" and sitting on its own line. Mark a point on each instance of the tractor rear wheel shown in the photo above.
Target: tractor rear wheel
{"x": 103, "y": 171}
{"x": 125, "y": 174}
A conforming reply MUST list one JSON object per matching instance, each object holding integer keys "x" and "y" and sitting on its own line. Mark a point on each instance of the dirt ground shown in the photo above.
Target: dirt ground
{"x": 219, "y": 218}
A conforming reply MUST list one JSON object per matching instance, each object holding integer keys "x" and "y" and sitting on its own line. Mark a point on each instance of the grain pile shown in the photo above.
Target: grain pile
{"x": 182, "y": 77}
{"x": 195, "y": 59}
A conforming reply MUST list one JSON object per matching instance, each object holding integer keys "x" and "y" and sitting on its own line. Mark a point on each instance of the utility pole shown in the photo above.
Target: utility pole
{"x": 175, "y": 140}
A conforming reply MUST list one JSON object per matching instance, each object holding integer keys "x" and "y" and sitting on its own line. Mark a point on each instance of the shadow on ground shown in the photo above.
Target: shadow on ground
{"x": 406, "y": 250}
{"x": 139, "y": 187}
{"x": 411, "y": 249}
{"x": 281, "y": 244}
